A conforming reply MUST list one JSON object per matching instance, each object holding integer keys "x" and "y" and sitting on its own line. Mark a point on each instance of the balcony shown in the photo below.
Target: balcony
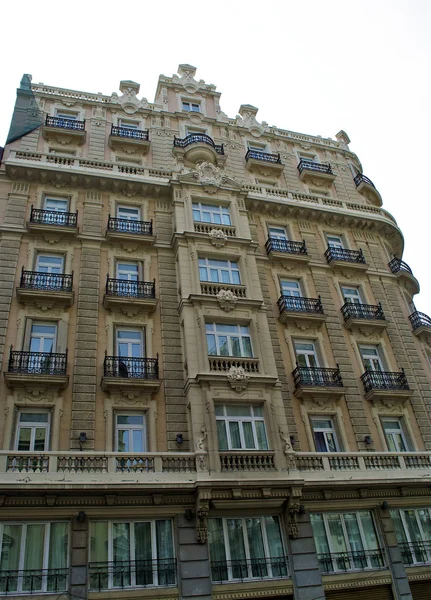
{"x": 246, "y": 460}
{"x": 360, "y": 560}
{"x": 286, "y": 250}
{"x": 227, "y": 296}
{"x": 421, "y": 324}
{"x": 416, "y": 553}
{"x": 130, "y": 234}
{"x": 386, "y": 384}
{"x": 341, "y": 257}
{"x": 364, "y": 317}
{"x": 36, "y": 370}
{"x": 247, "y": 569}
{"x": 130, "y": 297}
{"x": 310, "y": 170}
{"x": 402, "y": 270}
{"x": 34, "y": 581}
{"x": 129, "y": 139}
{"x": 294, "y": 309}
{"x": 53, "y": 222}
{"x": 223, "y": 364}
{"x": 316, "y": 381}
{"x": 124, "y": 574}
{"x": 45, "y": 290}
{"x": 64, "y": 130}
{"x": 264, "y": 163}
{"x": 199, "y": 147}
{"x": 366, "y": 187}
{"x": 129, "y": 375}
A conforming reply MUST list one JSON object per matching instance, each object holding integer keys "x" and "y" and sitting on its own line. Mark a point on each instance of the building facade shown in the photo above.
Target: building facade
{"x": 208, "y": 336}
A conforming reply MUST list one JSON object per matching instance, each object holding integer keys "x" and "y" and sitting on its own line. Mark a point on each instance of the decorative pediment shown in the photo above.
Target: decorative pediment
{"x": 210, "y": 176}
{"x": 129, "y": 101}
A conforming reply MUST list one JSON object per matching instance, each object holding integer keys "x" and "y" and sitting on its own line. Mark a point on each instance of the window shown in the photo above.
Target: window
{"x": 351, "y": 295}
{"x": 250, "y": 548}
{"x": 257, "y": 147}
{"x": 196, "y": 131}
{"x": 55, "y": 204}
{"x": 396, "y": 438}
{"x": 228, "y": 340}
{"x": 34, "y": 557}
{"x": 241, "y": 428}
{"x": 128, "y": 213}
{"x": 128, "y": 271}
{"x": 131, "y": 554}
{"x": 130, "y": 343}
{"x": 346, "y": 541}
{"x": 130, "y": 433}
{"x": 219, "y": 271}
{"x": 413, "y": 532}
{"x": 290, "y": 288}
{"x": 277, "y": 233}
{"x": 325, "y": 436}
{"x": 126, "y": 124}
{"x": 67, "y": 114}
{"x": 335, "y": 241}
{"x": 32, "y": 431}
{"x": 371, "y": 358}
{"x": 307, "y": 156}
{"x": 46, "y": 263}
{"x": 306, "y": 355}
{"x": 207, "y": 213}
{"x": 191, "y": 106}
{"x": 43, "y": 337}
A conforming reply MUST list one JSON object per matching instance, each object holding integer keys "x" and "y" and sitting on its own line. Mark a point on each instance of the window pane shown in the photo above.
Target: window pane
{"x": 248, "y": 435}
{"x": 98, "y": 541}
{"x": 236, "y": 348}
{"x": 222, "y": 435}
{"x": 33, "y": 417}
{"x": 257, "y": 551}
{"x": 371, "y": 542}
{"x": 262, "y": 442}
{"x": 319, "y": 440}
{"x": 235, "y": 438}
{"x": 11, "y": 545}
{"x": 217, "y": 550}
{"x": 130, "y": 419}
{"x": 246, "y": 342}
{"x": 237, "y": 551}
{"x": 34, "y": 544}
{"x": 336, "y": 533}
{"x": 211, "y": 344}
{"x": 165, "y": 550}
{"x": 398, "y": 526}
{"x": 224, "y": 349}
{"x": 57, "y": 559}
{"x": 123, "y": 440}
{"x": 24, "y": 438}
{"x": 39, "y": 439}
{"x": 143, "y": 554}
{"x": 238, "y": 411}
{"x": 138, "y": 440}
{"x": 425, "y": 520}
{"x": 332, "y": 444}
{"x": 353, "y": 532}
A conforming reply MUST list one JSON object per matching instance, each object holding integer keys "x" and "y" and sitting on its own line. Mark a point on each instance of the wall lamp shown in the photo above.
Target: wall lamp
{"x": 82, "y": 439}
{"x": 81, "y": 517}
{"x": 179, "y": 439}
{"x": 368, "y": 440}
{"x": 385, "y": 505}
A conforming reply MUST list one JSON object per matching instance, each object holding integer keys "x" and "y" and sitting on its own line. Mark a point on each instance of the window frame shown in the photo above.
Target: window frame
{"x": 229, "y": 268}
{"x": 54, "y": 336}
{"x": 129, "y": 428}
{"x": 33, "y": 426}
{"x": 64, "y": 113}
{"x": 190, "y": 104}
{"x": 47, "y": 198}
{"x": 129, "y": 341}
{"x": 402, "y": 431}
{"x": 125, "y": 124}
{"x": 40, "y": 255}
{"x": 333, "y": 430}
{"x": 253, "y": 418}
{"x": 339, "y": 244}
{"x": 284, "y": 287}
{"x": 347, "y": 297}
{"x": 129, "y": 273}
{"x": 240, "y": 335}
{"x": 212, "y": 209}
{"x": 379, "y": 357}
{"x": 314, "y": 353}
{"x": 121, "y": 207}
{"x": 273, "y": 228}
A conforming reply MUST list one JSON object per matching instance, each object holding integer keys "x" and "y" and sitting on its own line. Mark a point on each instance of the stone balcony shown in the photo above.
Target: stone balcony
{"x": 287, "y": 250}
{"x": 64, "y": 130}
{"x": 310, "y": 170}
{"x": 130, "y": 376}
{"x": 317, "y": 381}
{"x": 364, "y": 317}
{"x": 345, "y": 258}
{"x": 366, "y": 187}
{"x": 265, "y": 163}
{"x": 53, "y": 223}
{"x": 129, "y": 139}
{"x": 293, "y": 309}
{"x": 199, "y": 147}
{"x": 227, "y": 296}
{"x": 386, "y": 384}
{"x": 36, "y": 371}
{"x": 402, "y": 270}
{"x": 421, "y": 325}
{"x": 45, "y": 290}
{"x": 130, "y": 297}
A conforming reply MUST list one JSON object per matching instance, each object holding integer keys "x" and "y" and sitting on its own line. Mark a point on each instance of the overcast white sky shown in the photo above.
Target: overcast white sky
{"x": 310, "y": 66}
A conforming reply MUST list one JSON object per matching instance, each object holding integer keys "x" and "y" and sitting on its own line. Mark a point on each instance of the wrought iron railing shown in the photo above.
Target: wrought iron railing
{"x": 359, "y": 560}
{"x": 136, "y": 573}
{"x": 125, "y": 132}
{"x": 301, "y": 305}
{"x": 57, "y": 282}
{"x": 384, "y": 380}
{"x": 129, "y": 226}
{"x": 130, "y": 289}
{"x": 315, "y": 376}
{"x": 65, "y": 123}
{"x": 37, "y": 363}
{"x": 132, "y": 368}
{"x": 287, "y": 246}
{"x": 32, "y": 581}
{"x": 309, "y": 165}
{"x": 361, "y": 178}
{"x": 415, "y": 552}
{"x": 255, "y": 568}
{"x": 265, "y": 156}
{"x": 354, "y": 256}
{"x": 351, "y": 310}
{"x": 53, "y": 217}
{"x": 396, "y": 265}
{"x": 419, "y": 319}
{"x": 198, "y": 138}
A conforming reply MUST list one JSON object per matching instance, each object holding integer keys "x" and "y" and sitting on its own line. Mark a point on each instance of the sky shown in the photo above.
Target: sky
{"x": 309, "y": 66}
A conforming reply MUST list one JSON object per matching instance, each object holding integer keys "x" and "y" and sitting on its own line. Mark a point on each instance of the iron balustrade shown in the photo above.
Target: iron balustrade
{"x": 359, "y": 560}
{"x": 419, "y": 319}
{"x": 125, "y": 132}
{"x": 244, "y": 569}
{"x": 396, "y": 265}
{"x": 130, "y": 289}
{"x": 136, "y": 573}
{"x": 57, "y": 282}
{"x": 130, "y": 367}
{"x": 355, "y": 256}
{"x": 302, "y": 305}
{"x": 53, "y": 217}
{"x": 384, "y": 380}
{"x": 361, "y": 178}
{"x": 31, "y": 581}
{"x": 350, "y": 310}
{"x": 415, "y": 552}
{"x": 37, "y": 363}
{"x": 129, "y": 226}
{"x": 309, "y": 165}
{"x": 287, "y": 246}
{"x": 65, "y": 123}
{"x": 198, "y": 138}
{"x": 316, "y": 376}
{"x": 265, "y": 156}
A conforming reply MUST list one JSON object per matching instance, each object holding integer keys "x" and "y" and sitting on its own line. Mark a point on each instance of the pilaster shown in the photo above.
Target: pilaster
{"x": 194, "y": 563}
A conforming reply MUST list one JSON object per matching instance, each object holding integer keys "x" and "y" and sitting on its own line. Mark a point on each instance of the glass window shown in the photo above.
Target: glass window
{"x": 139, "y": 553}
{"x": 257, "y": 148}
{"x": 55, "y": 204}
{"x": 65, "y": 114}
{"x": 277, "y": 233}
{"x": 371, "y": 358}
{"x": 43, "y": 337}
{"x": 334, "y": 241}
{"x": 241, "y": 428}
{"x": 228, "y": 340}
{"x": 129, "y": 213}
{"x": 191, "y": 106}
{"x": 306, "y": 355}
{"x": 207, "y": 213}
{"x": 351, "y": 295}
{"x": 308, "y": 157}
{"x": 290, "y": 288}
{"x": 49, "y": 264}
{"x": 130, "y": 433}
{"x": 395, "y": 436}
{"x": 32, "y": 431}
{"x": 219, "y": 271}
{"x": 413, "y": 532}
{"x": 130, "y": 343}
{"x": 126, "y": 124}
{"x": 128, "y": 271}
{"x": 324, "y": 433}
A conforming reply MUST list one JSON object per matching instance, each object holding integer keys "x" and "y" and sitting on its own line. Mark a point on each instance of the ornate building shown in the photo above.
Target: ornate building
{"x": 215, "y": 382}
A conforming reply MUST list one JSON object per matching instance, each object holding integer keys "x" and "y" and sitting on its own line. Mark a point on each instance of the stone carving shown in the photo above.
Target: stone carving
{"x": 200, "y": 444}
{"x": 238, "y": 378}
{"x": 210, "y": 176}
{"x": 217, "y": 237}
{"x": 285, "y": 439}
{"x": 129, "y": 101}
{"x": 293, "y": 511}
{"x": 247, "y": 119}
{"x": 227, "y": 300}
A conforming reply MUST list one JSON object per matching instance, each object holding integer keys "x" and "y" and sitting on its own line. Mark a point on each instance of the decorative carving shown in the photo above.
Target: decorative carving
{"x": 293, "y": 511}
{"x": 200, "y": 444}
{"x": 217, "y": 237}
{"x": 227, "y": 300}
{"x": 238, "y": 379}
{"x": 202, "y": 510}
{"x": 285, "y": 439}
{"x": 209, "y": 176}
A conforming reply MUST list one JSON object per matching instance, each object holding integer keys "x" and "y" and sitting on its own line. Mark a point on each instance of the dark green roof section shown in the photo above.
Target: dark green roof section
{"x": 26, "y": 114}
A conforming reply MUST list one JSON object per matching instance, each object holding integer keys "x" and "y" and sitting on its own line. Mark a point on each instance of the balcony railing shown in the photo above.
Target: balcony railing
{"x": 247, "y": 460}
{"x": 130, "y": 574}
{"x": 309, "y": 165}
{"x": 125, "y": 132}
{"x": 360, "y": 463}
{"x": 223, "y": 364}
{"x": 300, "y": 305}
{"x": 65, "y": 123}
{"x": 358, "y": 560}
{"x": 384, "y": 380}
{"x": 56, "y": 282}
{"x": 125, "y": 288}
{"x": 53, "y": 217}
{"x": 33, "y": 581}
{"x": 396, "y": 265}
{"x": 212, "y": 289}
{"x": 286, "y": 246}
{"x": 264, "y": 156}
{"x": 316, "y": 377}
{"x": 201, "y": 227}
{"x": 419, "y": 319}
{"x": 198, "y": 138}
{"x": 133, "y": 368}
{"x": 351, "y": 310}
{"x": 361, "y": 178}
{"x": 128, "y": 226}
{"x": 416, "y": 552}
{"x": 354, "y": 256}
{"x": 37, "y": 363}
{"x": 245, "y": 569}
